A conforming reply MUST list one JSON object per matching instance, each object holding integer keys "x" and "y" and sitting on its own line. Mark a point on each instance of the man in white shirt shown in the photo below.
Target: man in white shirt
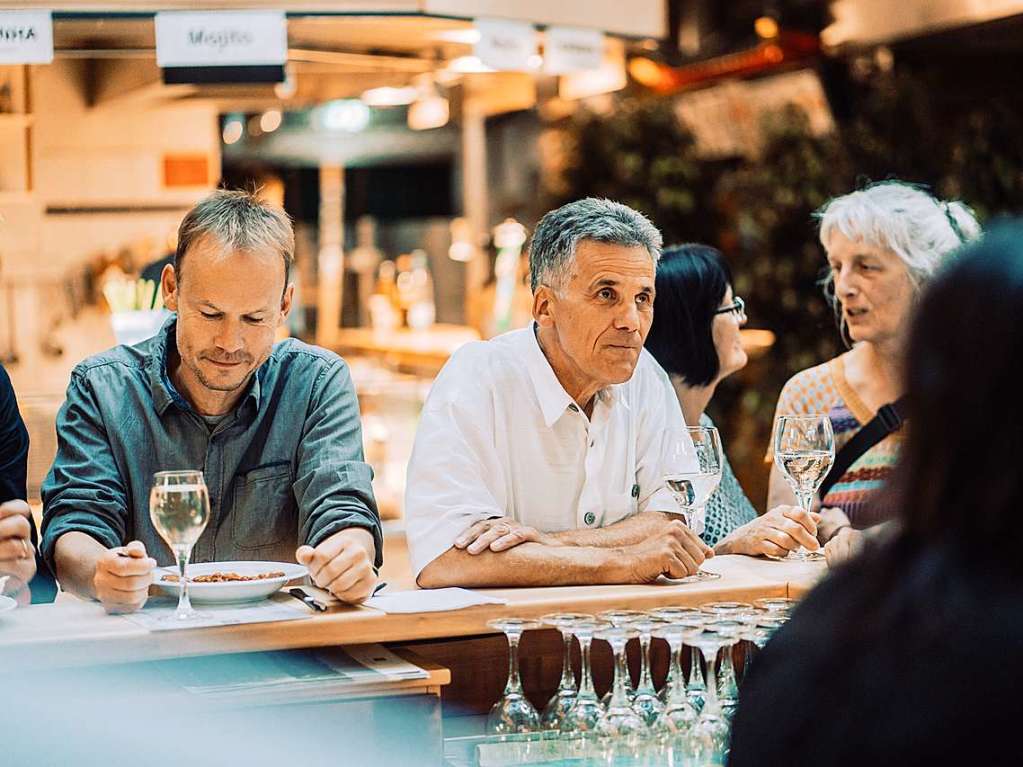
{"x": 540, "y": 455}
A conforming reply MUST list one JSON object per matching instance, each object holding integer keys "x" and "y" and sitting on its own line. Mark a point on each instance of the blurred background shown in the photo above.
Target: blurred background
{"x": 416, "y": 143}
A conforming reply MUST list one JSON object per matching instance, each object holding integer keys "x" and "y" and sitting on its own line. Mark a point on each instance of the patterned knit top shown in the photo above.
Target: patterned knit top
{"x": 824, "y": 389}
{"x": 728, "y": 508}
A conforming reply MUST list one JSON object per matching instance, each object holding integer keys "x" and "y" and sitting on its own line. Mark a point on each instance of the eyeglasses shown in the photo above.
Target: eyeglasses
{"x": 737, "y": 307}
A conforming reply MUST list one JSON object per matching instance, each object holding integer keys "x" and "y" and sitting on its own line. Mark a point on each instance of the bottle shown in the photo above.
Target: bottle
{"x": 422, "y": 310}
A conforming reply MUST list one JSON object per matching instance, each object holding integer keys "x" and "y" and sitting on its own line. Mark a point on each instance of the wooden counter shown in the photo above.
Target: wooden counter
{"x": 75, "y": 633}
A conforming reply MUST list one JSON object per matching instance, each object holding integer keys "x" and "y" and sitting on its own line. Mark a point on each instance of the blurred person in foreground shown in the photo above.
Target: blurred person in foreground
{"x": 912, "y": 654}
{"x": 19, "y": 558}
{"x": 695, "y": 338}
{"x": 540, "y": 455}
{"x": 274, "y": 427}
{"x": 883, "y": 244}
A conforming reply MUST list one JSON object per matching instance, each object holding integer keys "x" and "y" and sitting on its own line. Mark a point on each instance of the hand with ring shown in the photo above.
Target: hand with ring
{"x": 500, "y": 534}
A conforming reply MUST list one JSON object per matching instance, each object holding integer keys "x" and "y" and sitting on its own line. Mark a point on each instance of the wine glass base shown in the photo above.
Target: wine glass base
{"x": 698, "y": 577}
{"x": 805, "y": 556}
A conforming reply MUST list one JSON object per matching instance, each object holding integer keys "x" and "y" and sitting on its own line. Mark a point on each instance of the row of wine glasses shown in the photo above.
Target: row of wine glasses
{"x": 694, "y": 716}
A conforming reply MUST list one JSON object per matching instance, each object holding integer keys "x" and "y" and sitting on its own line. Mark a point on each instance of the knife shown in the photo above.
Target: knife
{"x": 311, "y": 601}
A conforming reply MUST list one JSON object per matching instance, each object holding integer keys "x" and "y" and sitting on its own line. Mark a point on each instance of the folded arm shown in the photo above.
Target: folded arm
{"x": 675, "y": 552}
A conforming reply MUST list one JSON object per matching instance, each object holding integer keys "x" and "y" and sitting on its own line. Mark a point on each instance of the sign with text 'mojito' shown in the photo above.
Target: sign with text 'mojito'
{"x": 26, "y": 37}
{"x": 224, "y": 38}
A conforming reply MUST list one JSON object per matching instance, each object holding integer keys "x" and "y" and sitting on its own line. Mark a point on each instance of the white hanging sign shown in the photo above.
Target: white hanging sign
{"x": 26, "y": 37}
{"x": 571, "y": 49}
{"x": 221, "y": 38}
{"x": 505, "y": 45}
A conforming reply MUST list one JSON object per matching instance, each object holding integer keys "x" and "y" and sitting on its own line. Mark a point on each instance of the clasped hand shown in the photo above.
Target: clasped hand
{"x": 17, "y": 555}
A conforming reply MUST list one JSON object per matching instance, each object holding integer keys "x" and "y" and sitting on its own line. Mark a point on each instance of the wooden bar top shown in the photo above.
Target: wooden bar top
{"x": 75, "y": 633}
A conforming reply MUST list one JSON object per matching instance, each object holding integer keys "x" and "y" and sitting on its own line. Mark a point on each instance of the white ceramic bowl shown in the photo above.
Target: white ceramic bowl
{"x": 230, "y": 591}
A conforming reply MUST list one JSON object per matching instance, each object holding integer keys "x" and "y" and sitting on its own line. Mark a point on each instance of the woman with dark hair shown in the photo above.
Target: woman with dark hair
{"x": 913, "y": 654}
{"x": 695, "y": 338}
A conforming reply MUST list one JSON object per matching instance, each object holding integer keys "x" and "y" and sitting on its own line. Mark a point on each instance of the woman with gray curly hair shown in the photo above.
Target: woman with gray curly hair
{"x": 883, "y": 244}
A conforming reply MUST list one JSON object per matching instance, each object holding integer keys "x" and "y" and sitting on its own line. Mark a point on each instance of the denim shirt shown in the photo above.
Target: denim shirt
{"x": 284, "y": 468}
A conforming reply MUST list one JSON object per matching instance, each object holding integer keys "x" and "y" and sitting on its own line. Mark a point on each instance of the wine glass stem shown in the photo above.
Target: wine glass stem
{"x": 184, "y": 603}
{"x": 622, "y": 670}
{"x": 727, "y": 671}
{"x": 677, "y": 688}
{"x": 620, "y": 695}
{"x": 567, "y": 677}
{"x": 645, "y": 682}
{"x": 695, "y": 669}
{"x": 586, "y": 677}
{"x": 712, "y": 685}
{"x": 514, "y": 683}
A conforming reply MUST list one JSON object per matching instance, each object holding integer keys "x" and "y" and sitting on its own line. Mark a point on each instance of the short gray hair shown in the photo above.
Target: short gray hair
{"x": 552, "y": 249}
{"x": 920, "y": 229}
{"x": 237, "y": 220}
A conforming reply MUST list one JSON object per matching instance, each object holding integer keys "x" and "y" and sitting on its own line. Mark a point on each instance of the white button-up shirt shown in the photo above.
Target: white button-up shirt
{"x": 500, "y": 436}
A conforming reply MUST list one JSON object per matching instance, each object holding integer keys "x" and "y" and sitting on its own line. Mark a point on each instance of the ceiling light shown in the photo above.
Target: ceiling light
{"x": 468, "y": 65}
{"x": 271, "y": 120}
{"x": 347, "y": 115}
{"x": 389, "y": 97}
{"x": 766, "y": 28}
{"x": 233, "y": 129}
{"x": 429, "y": 112}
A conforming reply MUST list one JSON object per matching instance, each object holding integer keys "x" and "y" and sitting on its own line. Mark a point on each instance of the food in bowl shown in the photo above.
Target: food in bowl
{"x": 228, "y": 577}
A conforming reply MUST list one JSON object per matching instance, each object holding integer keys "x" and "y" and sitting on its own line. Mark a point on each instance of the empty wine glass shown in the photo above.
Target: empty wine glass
{"x": 587, "y": 709}
{"x": 179, "y": 507}
{"x": 804, "y": 449}
{"x": 674, "y": 615}
{"x": 780, "y": 605}
{"x": 707, "y": 742}
{"x": 728, "y": 685}
{"x": 692, "y": 472}
{"x": 564, "y": 698}
{"x": 646, "y": 702}
{"x": 620, "y": 729}
{"x": 679, "y": 714}
{"x": 621, "y": 618}
{"x": 513, "y": 713}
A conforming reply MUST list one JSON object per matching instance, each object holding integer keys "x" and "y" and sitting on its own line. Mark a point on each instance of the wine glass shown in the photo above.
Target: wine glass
{"x": 677, "y": 615}
{"x": 777, "y": 605}
{"x": 728, "y": 687}
{"x": 179, "y": 507}
{"x": 581, "y": 719}
{"x": 513, "y": 713}
{"x": 646, "y": 702}
{"x": 564, "y": 698}
{"x": 692, "y": 471}
{"x": 679, "y": 714}
{"x": 621, "y": 618}
{"x": 707, "y": 742}
{"x": 804, "y": 449}
{"x": 620, "y": 729}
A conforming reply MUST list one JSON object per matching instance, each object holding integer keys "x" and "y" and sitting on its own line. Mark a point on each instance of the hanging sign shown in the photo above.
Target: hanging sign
{"x": 26, "y": 37}
{"x": 505, "y": 45}
{"x": 572, "y": 49}
{"x": 224, "y": 38}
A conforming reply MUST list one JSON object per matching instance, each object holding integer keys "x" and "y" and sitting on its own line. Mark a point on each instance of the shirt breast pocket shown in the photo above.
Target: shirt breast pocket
{"x": 264, "y": 511}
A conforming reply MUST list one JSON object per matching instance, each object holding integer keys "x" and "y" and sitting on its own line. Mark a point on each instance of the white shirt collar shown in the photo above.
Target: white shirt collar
{"x": 551, "y": 395}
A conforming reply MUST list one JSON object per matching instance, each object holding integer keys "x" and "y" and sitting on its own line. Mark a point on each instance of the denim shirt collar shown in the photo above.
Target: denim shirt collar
{"x": 164, "y": 393}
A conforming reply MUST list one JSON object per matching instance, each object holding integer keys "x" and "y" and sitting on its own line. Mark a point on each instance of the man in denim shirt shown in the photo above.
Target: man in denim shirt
{"x": 275, "y": 428}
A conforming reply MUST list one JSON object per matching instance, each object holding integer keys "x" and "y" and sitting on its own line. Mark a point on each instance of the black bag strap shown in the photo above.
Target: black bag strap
{"x": 889, "y": 419}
